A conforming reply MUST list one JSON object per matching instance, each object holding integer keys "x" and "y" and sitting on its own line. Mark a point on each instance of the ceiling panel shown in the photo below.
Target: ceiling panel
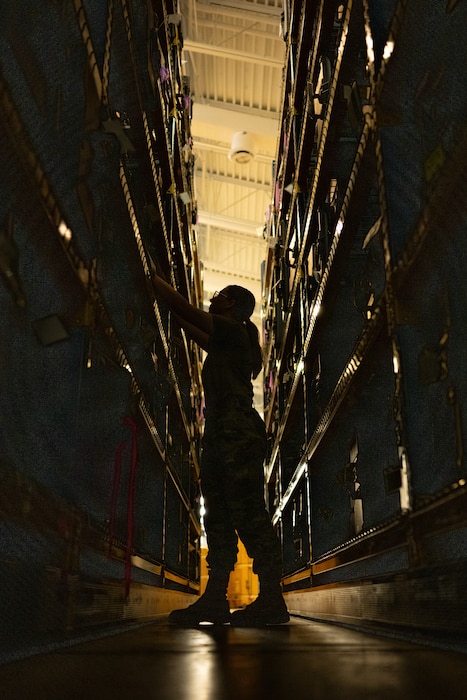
{"x": 234, "y": 57}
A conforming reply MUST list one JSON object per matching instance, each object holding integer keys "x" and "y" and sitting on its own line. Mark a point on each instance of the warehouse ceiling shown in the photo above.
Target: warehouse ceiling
{"x": 234, "y": 57}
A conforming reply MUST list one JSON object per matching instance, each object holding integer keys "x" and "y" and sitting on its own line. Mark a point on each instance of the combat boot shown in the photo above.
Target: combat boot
{"x": 212, "y": 606}
{"x": 269, "y": 608}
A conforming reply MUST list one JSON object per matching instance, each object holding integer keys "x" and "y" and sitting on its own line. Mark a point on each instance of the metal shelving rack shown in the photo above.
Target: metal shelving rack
{"x": 364, "y": 396}
{"x": 99, "y": 189}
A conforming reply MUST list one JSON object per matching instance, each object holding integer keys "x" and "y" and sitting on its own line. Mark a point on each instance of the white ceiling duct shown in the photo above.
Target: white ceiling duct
{"x": 243, "y": 149}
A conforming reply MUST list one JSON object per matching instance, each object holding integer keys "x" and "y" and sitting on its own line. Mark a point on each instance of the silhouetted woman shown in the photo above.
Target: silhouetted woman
{"x": 233, "y": 452}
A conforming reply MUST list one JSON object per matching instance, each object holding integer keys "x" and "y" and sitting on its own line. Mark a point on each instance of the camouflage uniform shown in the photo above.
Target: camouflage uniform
{"x": 234, "y": 445}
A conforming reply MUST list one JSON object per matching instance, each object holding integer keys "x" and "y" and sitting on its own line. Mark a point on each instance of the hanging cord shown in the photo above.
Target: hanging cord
{"x": 131, "y": 499}
{"x": 131, "y": 502}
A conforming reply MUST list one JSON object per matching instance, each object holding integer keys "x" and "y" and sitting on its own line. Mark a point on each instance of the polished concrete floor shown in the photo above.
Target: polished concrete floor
{"x": 303, "y": 659}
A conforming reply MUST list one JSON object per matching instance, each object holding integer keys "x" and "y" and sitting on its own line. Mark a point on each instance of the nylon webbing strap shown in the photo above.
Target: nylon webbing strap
{"x": 101, "y": 81}
{"x": 106, "y": 66}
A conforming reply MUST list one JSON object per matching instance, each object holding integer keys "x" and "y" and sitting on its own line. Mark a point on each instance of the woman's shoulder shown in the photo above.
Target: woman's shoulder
{"x": 224, "y": 322}
{"x": 227, "y": 329}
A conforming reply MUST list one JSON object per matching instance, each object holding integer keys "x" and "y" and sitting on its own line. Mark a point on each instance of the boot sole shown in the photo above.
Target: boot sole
{"x": 195, "y": 621}
{"x": 259, "y": 621}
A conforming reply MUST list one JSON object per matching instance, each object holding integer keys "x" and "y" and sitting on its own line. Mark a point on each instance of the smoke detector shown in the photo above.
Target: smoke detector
{"x": 242, "y": 150}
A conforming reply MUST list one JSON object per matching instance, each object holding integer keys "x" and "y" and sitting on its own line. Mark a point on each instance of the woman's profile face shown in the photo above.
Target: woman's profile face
{"x": 220, "y": 302}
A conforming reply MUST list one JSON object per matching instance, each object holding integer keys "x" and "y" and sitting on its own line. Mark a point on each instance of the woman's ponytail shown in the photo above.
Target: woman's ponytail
{"x": 256, "y": 350}
{"x": 244, "y": 307}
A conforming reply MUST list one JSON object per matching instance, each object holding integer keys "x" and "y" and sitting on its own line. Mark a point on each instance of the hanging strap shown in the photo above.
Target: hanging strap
{"x": 131, "y": 502}
{"x": 101, "y": 81}
{"x": 114, "y": 496}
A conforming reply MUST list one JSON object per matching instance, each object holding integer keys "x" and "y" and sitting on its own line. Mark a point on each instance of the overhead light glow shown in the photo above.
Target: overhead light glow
{"x": 370, "y": 48}
{"x": 388, "y": 49}
{"x": 64, "y": 231}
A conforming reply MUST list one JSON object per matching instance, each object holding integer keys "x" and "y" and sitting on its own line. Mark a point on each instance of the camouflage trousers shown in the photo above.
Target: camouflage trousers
{"x": 232, "y": 483}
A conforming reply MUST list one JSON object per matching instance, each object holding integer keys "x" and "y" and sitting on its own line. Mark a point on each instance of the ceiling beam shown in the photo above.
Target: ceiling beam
{"x": 240, "y": 8}
{"x": 236, "y": 117}
{"x": 203, "y": 145}
{"x": 232, "y": 223}
{"x": 250, "y": 30}
{"x": 229, "y": 180}
{"x": 224, "y": 52}
{"x": 213, "y": 266}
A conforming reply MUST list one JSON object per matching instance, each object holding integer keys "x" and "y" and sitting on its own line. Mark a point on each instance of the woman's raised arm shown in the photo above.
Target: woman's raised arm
{"x": 190, "y": 317}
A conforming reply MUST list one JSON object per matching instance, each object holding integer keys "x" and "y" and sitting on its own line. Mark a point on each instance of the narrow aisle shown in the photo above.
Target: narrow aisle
{"x": 301, "y": 660}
